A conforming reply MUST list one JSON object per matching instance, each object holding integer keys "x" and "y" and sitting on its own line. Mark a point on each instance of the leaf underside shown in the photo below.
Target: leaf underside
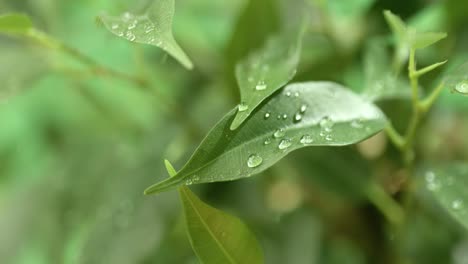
{"x": 302, "y": 114}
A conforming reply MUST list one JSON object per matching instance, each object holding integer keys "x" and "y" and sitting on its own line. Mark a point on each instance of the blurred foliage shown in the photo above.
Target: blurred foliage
{"x": 78, "y": 147}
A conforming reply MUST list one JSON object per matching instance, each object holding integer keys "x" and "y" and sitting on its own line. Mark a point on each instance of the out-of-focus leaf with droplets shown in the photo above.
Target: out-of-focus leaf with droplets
{"x": 303, "y": 114}
{"x": 448, "y": 184}
{"x": 153, "y": 28}
{"x": 15, "y": 23}
{"x": 457, "y": 80}
{"x": 266, "y": 71}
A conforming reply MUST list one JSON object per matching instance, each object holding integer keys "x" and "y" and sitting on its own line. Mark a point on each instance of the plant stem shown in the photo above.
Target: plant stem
{"x": 386, "y": 204}
{"x": 98, "y": 69}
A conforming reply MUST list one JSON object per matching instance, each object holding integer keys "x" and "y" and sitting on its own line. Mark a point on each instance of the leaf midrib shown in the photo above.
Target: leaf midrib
{"x": 220, "y": 245}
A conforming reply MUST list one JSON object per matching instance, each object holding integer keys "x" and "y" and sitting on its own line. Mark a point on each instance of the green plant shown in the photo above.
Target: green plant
{"x": 275, "y": 117}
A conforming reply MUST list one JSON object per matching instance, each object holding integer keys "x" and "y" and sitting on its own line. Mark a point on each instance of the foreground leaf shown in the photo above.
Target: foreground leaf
{"x": 215, "y": 236}
{"x": 449, "y": 184}
{"x": 457, "y": 80}
{"x": 266, "y": 71}
{"x": 153, "y": 28}
{"x": 303, "y": 114}
{"x": 15, "y": 23}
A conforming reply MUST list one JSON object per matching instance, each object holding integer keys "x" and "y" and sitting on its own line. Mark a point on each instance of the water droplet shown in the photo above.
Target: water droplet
{"x": 357, "y": 123}
{"x": 120, "y": 34}
{"x": 285, "y": 116}
{"x": 297, "y": 117}
{"x": 243, "y": 107}
{"x": 306, "y": 139}
{"x": 296, "y": 94}
{"x": 127, "y": 16}
{"x": 267, "y": 115}
{"x": 328, "y": 138}
{"x": 284, "y": 144}
{"x": 195, "y": 178}
{"x": 261, "y": 85}
{"x": 149, "y": 28}
{"x": 303, "y": 108}
{"x": 288, "y": 94}
{"x": 279, "y": 133}
{"x": 462, "y": 87}
{"x": 130, "y": 36}
{"x": 133, "y": 25}
{"x": 278, "y": 117}
{"x": 254, "y": 161}
{"x": 326, "y": 124}
{"x": 429, "y": 176}
{"x": 267, "y": 141}
{"x": 457, "y": 204}
{"x": 115, "y": 26}
{"x": 188, "y": 182}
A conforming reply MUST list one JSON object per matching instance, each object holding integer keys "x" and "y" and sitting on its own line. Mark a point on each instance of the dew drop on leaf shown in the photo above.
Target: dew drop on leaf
{"x": 261, "y": 85}
{"x": 243, "y": 107}
{"x": 306, "y": 139}
{"x": 303, "y": 108}
{"x": 288, "y": 94}
{"x": 254, "y": 160}
{"x": 115, "y": 26}
{"x": 326, "y": 124}
{"x": 284, "y": 144}
{"x": 357, "y": 123}
{"x": 296, "y": 94}
{"x": 457, "y": 204}
{"x": 297, "y": 117}
{"x": 279, "y": 133}
{"x": 267, "y": 141}
{"x": 462, "y": 87}
{"x": 130, "y": 36}
{"x": 267, "y": 115}
{"x": 285, "y": 116}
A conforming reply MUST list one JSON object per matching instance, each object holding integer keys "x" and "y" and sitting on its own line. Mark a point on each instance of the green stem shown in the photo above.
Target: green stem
{"x": 394, "y": 136}
{"x": 429, "y": 101}
{"x": 165, "y": 103}
{"x": 386, "y": 204}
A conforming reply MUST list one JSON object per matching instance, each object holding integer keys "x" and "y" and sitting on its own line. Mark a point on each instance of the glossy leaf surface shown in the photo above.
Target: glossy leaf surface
{"x": 153, "y": 28}
{"x": 215, "y": 236}
{"x": 303, "y": 114}
{"x": 266, "y": 71}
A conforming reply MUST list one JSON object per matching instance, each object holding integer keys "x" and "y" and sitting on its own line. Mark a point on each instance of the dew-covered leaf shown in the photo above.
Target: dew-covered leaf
{"x": 448, "y": 184}
{"x": 380, "y": 81}
{"x": 15, "y": 23}
{"x": 457, "y": 80}
{"x": 267, "y": 70}
{"x": 153, "y": 27}
{"x": 216, "y": 237}
{"x": 302, "y": 114}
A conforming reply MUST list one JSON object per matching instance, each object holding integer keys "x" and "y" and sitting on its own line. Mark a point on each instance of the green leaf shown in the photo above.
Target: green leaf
{"x": 153, "y": 28}
{"x": 409, "y": 37}
{"x": 15, "y": 23}
{"x": 215, "y": 236}
{"x": 422, "y": 40}
{"x": 350, "y": 8}
{"x": 448, "y": 184}
{"x": 380, "y": 81}
{"x": 457, "y": 80}
{"x": 266, "y": 71}
{"x": 303, "y": 114}
{"x": 396, "y": 24}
